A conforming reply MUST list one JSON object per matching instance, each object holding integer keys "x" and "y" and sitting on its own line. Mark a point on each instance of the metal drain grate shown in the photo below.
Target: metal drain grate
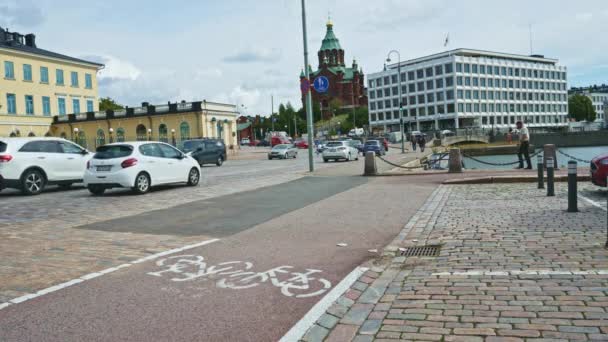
{"x": 422, "y": 251}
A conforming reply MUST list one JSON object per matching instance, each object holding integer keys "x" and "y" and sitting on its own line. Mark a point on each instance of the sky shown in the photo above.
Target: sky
{"x": 244, "y": 52}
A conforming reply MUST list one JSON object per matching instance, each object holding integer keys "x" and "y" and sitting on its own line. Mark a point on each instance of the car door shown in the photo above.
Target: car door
{"x": 154, "y": 163}
{"x": 42, "y": 154}
{"x": 177, "y": 167}
{"x": 210, "y": 151}
{"x": 74, "y": 160}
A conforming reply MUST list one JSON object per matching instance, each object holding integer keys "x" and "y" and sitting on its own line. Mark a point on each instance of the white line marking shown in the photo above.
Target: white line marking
{"x": 597, "y": 204}
{"x": 298, "y": 330}
{"x": 100, "y": 273}
{"x": 520, "y": 272}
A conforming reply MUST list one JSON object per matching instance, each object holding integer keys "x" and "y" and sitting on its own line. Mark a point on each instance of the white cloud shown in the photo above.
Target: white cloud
{"x": 22, "y": 13}
{"x": 116, "y": 68}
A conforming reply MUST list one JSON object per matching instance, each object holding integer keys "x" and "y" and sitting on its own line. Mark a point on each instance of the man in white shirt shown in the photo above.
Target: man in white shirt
{"x": 524, "y": 146}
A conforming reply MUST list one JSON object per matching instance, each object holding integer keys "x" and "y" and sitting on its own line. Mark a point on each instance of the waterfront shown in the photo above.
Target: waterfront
{"x": 583, "y": 153}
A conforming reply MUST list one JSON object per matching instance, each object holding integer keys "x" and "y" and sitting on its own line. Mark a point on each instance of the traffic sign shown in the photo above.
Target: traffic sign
{"x": 321, "y": 84}
{"x": 304, "y": 85}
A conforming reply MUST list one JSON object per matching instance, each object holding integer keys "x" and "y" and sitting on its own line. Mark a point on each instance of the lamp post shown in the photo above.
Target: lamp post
{"x": 173, "y": 136}
{"x": 149, "y": 134}
{"x": 388, "y": 60}
{"x": 339, "y": 130}
{"x": 111, "y": 130}
{"x": 309, "y": 124}
{"x": 76, "y": 132}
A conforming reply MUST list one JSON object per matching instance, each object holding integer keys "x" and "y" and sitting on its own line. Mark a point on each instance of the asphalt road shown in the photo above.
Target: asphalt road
{"x": 286, "y": 236}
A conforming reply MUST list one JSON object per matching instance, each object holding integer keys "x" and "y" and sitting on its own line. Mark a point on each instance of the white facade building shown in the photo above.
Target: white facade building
{"x": 469, "y": 88}
{"x": 598, "y": 100}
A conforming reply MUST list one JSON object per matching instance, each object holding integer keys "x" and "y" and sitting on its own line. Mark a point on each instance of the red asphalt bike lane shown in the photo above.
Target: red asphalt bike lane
{"x": 133, "y": 305}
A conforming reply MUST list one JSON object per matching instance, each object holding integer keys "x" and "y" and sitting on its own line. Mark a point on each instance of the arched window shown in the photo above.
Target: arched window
{"x": 48, "y": 134}
{"x": 101, "y": 138}
{"x": 184, "y": 130}
{"x": 162, "y": 133}
{"x": 220, "y": 129}
{"x": 31, "y": 134}
{"x": 81, "y": 139}
{"x": 141, "y": 132}
{"x": 13, "y": 134}
{"x": 120, "y": 135}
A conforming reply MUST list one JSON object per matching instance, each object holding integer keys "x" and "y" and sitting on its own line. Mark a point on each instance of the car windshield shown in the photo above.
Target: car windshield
{"x": 372, "y": 142}
{"x": 280, "y": 147}
{"x": 113, "y": 151}
{"x": 334, "y": 144}
{"x": 191, "y": 145}
{"x": 2, "y": 146}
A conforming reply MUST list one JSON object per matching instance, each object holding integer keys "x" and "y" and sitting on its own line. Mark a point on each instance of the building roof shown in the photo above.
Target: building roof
{"x": 477, "y": 53}
{"x": 348, "y": 72}
{"x": 330, "y": 42}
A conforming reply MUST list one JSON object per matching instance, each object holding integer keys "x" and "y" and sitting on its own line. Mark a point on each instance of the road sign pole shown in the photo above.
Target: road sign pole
{"x": 311, "y": 164}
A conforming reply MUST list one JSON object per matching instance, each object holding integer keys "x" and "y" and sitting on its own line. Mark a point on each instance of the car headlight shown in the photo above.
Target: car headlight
{"x": 341, "y": 148}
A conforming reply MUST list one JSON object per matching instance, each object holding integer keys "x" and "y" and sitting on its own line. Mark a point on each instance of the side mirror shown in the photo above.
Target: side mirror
{"x": 181, "y": 156}
{"x": 84, "y": 152}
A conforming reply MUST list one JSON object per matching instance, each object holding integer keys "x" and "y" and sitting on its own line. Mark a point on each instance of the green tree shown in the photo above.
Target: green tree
{"x": 106, "y": 103}
{"x": 581, "y": 108}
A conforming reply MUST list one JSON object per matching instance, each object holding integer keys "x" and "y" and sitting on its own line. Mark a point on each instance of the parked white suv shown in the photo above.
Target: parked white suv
{"x": 30, "y": 164}
{"x": 139, "y": 166}
{"x": 337, "y": 150}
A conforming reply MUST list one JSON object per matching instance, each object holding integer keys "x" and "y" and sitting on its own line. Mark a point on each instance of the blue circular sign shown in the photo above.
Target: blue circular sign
{"x": 321, "y": 84}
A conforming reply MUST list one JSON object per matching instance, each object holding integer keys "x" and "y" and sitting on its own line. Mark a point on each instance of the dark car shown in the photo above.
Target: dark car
{"x": 359, "y": 146}
{"x": 599, "y": 170}
{"x": 263, "y": 143}
{"x": 374, "y": 146}
{"x": 206, "y": 151}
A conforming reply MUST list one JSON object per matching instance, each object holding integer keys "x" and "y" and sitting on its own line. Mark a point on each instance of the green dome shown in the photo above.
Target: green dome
{"x": 330, "y": 42}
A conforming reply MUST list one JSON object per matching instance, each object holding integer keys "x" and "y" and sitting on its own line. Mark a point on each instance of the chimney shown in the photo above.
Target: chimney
{"x": 145, "y": 104}
{"x": 30, "y": 40}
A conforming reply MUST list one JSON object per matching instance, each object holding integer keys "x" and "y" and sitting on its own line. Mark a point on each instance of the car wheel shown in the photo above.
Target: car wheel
{"x": 219, "y": 161}
{"x": 325, "y": 160}
{"x": 96, "y": 190}
{"x": 32, "y": 182}
{"x": 269, "y": 158}
{"x": 142, "y": 183}
{"x": 295, "y": 156}
{"x": 194, "y": 177}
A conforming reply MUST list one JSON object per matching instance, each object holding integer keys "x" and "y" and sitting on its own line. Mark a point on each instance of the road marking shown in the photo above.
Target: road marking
{"x": 100, "y": 273}
{"x": 520, "y": 272}
{"x": 298, "y": 330}
{"x": 597, "y": 204}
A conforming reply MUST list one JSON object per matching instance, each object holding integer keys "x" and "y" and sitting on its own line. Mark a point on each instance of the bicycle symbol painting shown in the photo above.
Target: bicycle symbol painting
{"x": 237, "y": 275}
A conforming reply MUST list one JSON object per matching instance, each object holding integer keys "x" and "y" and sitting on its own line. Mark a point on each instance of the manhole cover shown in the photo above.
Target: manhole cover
{"x": 421, "y": 251}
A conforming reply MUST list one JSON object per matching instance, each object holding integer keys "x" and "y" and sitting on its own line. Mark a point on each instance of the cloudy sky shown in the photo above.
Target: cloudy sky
{"x": 245, "y": 51}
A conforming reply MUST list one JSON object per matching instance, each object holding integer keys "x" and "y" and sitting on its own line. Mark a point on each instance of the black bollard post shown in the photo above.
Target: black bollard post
{"x": 541, "y": 172}
{"x": 550, "y": 185}
{"x": 572, "y": 191}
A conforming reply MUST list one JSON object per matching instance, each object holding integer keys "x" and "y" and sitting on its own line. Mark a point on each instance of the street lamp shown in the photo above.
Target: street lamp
{"x": 388, "y": 60}
{"x": 149, "y": 134}
{"x": 173, "y": 136}
{"x": 76, "y": 130}
{"x": 111, "y": 130}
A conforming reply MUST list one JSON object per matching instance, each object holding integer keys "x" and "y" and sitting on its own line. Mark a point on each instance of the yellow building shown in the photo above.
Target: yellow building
{"x": 36, "y": 84}
{"x": 172, "y": 123}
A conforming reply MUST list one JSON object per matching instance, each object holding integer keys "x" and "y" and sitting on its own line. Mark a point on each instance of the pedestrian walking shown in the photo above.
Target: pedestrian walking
{"x": 524, "y": 146}
{"x": 421, "y": 142}
{"x": 413, "y": 141}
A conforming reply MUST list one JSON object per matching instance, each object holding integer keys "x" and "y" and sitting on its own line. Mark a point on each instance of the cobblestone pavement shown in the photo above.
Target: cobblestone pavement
{"x": 513, "y": 266}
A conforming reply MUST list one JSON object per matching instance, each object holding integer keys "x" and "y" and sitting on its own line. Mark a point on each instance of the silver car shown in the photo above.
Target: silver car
{"x": 337, "y": 150}
{"x": 283, "y": 151}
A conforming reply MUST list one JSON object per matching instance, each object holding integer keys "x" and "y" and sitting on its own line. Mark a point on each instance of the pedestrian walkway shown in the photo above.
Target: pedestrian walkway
{"x": 513, "y": 266}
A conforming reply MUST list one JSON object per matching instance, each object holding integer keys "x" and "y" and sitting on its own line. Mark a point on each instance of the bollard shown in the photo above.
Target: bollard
{"x": 541, "y": 171}
{"x": 549, "y": 152}
{"x": 370, "y": 168}
{"x": 550, "y": 185}
{"x": 455, "y": 161}
{"x": 572, "y": 195}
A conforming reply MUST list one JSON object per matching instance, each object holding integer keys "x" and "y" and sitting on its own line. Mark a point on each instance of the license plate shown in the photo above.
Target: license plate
{"x": 104, "y": 168}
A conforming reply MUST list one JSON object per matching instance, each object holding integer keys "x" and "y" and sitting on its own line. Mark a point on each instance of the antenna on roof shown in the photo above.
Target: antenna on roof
{"x": 531, "y": 49}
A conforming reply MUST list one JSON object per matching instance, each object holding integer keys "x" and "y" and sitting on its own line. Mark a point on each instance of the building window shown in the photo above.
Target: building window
{"x": 59, "y": 77}
{"x": 387, "y": 104}
{"x": 420, "y": 86}
{"x": 482, "y": 69}
{"x": 11, "y": 104}
{"x": 184, "y": 130}
{"x": 410, "y": 75}
{"x": 74, "y": 78}
{"x": 44, "y": 74}
{"x": 394, "y": 79}
{"x": 379, "y": 82}
{"x": 503, "y": 71}
{"x": 372, "y": 105}
{"x": 386, "y": 81}
{"x": 420, "y": 99}
{"x": 88, "y": 81}
{"x": 9, "y": 70}
{"x": 475, "y": 82}
{"x": 449, "y": 95}
{"x": 448, "y": 68}
{"x": 27, "y": 72}
{"x": 141, "y": 133}
{"x": 29, "y": 105}
{"x": 120, "y": 135}
{"x": 475, "y": 68}
{"x": 373, "y": 116}
{"x": 75, "y": 106}
{"x": 467, "y": 81}
{"x": 460, "y": 94}
{"x": 430, "y": 84}
{"x": 46, "y": 106}
{"x": 101, "y": 138}
{"x": 451, "y": 108}
{"x": 467, "y": 68}
{"x": 458, "y": 67}
{"x": 449, "y": 81}
{"x": 420, "y": 74}
{"x": 429, "y": 72}
{"x": 90, "y": 107}
{"x": 412, "y": 87}
{"x": 438, "y": 70}
{"x": 61, "y": 106}
{"x": 459, "y": 80}
{"x": 439, "y": 83}
{"x": 430, "y": 98}
{"x": 460, "y": 107}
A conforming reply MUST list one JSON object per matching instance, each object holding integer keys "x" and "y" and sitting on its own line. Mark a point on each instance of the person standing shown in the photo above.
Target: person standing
{"x": 524, "y": 146}
{"x": 413, "y": 141}
{"x": 421, "y": 142}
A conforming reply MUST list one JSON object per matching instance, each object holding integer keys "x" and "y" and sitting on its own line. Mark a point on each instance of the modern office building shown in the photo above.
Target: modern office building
{"x": 469, "y": 88}
{"x": 38, "y": 84}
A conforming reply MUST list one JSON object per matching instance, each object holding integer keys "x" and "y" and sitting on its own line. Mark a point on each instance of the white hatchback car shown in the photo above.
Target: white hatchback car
{"x": 30, "y": 164}
{"x": 337, "y": 150}
{"x": 139, "y": 166}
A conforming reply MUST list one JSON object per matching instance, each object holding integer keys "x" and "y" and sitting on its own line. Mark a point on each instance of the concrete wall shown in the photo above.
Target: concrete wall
{"x": 571, "y": 139}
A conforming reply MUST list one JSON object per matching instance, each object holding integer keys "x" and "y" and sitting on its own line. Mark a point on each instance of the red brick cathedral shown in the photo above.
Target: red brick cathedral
{"x": 345, "y": 83}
